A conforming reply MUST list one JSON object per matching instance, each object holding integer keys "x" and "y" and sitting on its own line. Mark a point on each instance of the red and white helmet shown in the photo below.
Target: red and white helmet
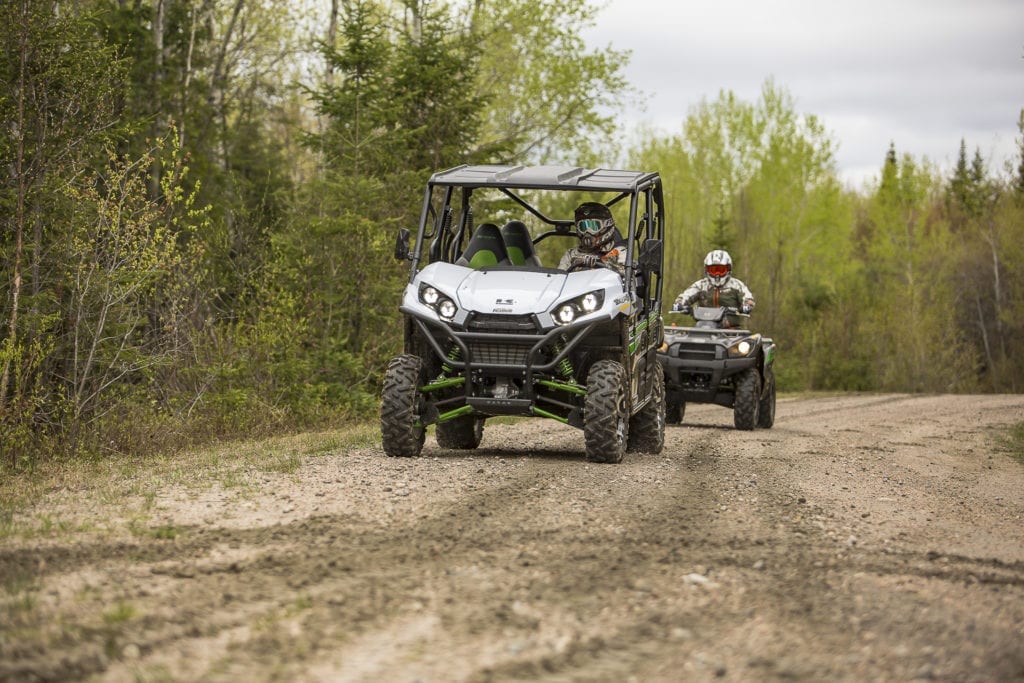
{"x": 718, "y": 267}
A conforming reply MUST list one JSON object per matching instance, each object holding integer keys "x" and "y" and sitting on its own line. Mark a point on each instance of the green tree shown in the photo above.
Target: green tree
{"x": 757, "y": 179}
{"x": 58, "y": 105}
{"x": 548, "y": 95}
{"x": 905, "y": 248}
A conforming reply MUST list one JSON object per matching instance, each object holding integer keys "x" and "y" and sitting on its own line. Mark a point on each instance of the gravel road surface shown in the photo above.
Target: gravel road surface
{"x": 863, "y": 538}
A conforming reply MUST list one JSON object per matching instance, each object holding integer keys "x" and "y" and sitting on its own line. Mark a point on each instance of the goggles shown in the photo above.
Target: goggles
{"x": 717, "y": 270}
{"x": 594, "y": 225}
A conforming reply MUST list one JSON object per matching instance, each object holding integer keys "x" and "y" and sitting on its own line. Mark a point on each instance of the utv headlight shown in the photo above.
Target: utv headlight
{"x": 430, "y": 295}
{"x": 568, "y": 311}
{"x": 565, "y": 314}
{"x": 447, "y": 309}
{"x": 433, "y": 298}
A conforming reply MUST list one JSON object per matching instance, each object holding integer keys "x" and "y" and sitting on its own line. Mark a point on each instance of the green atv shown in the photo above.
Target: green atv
{"x": 712, "y": 363}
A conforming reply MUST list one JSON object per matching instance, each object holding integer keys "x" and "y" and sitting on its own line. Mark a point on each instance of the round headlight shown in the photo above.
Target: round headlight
{"x": 565, "y": 314}
{"x": 743, "y": 347}
{"x": 447, "y": 309}
{"x": 430, "y": 296}
{"x": 589, "y": 303}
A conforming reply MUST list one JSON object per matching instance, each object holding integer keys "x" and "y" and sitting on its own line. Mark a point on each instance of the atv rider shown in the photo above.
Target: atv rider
{"x": 601, "y": 243}
{"x": 717, "y": 288}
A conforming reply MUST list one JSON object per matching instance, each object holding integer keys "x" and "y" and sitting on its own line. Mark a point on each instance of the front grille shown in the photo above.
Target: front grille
{"x": 488, "y": 322}
{"x": 489, "y": 353}
{"x": 701, "y": 352}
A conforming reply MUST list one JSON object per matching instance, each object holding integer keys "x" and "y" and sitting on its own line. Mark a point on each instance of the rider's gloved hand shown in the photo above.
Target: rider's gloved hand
{"x": 746, "y": 308}
{"x": 589, "y": 260}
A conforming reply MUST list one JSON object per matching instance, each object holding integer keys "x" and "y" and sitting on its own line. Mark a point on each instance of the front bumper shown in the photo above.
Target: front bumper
{"x": 514, "y": 360}
{"x": 698, "y": 372}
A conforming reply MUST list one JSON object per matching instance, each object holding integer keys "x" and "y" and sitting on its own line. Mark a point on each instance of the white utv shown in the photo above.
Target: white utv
{"x": 491, "y": 330}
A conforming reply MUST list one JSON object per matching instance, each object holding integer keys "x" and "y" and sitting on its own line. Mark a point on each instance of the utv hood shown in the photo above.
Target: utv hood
{"x": 511, "y": 291}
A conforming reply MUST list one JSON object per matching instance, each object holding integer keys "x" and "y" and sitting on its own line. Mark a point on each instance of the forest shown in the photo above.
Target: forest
{"x": 200, "y": 201}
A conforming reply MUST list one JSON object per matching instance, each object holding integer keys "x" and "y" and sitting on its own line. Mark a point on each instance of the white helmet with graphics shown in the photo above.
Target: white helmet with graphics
{"x": 718, "y": 267}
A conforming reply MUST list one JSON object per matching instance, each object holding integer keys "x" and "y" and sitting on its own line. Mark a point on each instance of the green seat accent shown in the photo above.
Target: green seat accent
{"x": 486, "y": 248}
{"x": 483, "y": 258}
{"x": 515, "y": 255}
{"x": 518, "y": 244}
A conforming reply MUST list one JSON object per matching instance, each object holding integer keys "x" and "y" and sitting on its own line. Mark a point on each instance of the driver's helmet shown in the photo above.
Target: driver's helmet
{"x": 718, "y": 267}
{"x": 595, "y": 227}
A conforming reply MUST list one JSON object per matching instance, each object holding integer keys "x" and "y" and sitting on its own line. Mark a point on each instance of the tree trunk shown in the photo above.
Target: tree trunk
{"x": 19, "y": 212}
{"x": 158, "y": 79}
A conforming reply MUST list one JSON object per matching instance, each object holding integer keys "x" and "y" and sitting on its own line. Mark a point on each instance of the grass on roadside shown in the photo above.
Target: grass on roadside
{"x": 1012, "y": 442}
{"x": 127, "y": 481}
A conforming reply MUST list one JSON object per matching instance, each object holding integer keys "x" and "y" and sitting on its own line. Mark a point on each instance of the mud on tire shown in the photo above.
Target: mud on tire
{"x": 464, "y": 432}
{"x": 399, "y": 408}
{"x": 747, "y": 399}
{"x": 605, "y": 418}
{"x": 647, "y": 427}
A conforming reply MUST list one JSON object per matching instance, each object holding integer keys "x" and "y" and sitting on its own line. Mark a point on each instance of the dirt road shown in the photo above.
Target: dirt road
{"x": 864, "y": 537}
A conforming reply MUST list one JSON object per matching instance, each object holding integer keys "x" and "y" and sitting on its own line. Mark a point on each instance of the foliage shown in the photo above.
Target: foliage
{"x": 201, "y": 200}
{"x": 905, "y": 288}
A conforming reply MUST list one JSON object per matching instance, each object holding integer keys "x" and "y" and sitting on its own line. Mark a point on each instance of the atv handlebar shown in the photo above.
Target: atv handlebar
{"x": 708, "y": 312}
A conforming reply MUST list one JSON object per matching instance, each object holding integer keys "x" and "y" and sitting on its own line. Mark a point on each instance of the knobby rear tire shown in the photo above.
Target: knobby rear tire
{"x": 647, "y": 427}
{"x": 674, "y": 413}
{"x": 462, "y": 433}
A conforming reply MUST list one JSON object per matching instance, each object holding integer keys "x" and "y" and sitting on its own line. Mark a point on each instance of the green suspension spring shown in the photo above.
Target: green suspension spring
{"x": 454, "y": 354}
{"x": 564, "y": 365}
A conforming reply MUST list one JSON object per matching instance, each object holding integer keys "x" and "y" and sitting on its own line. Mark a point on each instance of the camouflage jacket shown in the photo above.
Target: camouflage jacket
{"x": 733, "y": 294}
{"x": 616, "y": 258}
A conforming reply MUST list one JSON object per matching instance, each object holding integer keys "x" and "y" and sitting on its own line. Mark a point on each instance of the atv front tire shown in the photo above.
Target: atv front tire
{"x": 605, "y": 419}
{"x": 747, "y": 399}
{"x": 647, "y": 427}
{"x": 766, "y": 409}
{"x": 401, "y": 434}
{"x": 674, "y": 413}
{"x": 463, "y": 433}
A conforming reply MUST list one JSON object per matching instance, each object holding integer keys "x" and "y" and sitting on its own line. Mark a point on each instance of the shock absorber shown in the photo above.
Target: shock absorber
{"x": 565, "y": 365}
{"x": 454, "y": 354}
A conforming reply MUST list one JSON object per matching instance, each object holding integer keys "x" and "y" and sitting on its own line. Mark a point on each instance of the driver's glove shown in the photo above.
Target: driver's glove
{"x": 589, "y": 260}
{"x": 746, "y": 308}
{"x": 677, "y": 307}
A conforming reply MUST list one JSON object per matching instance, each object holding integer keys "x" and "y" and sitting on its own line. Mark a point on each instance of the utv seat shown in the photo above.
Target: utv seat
{"x": 519, "y": 245}
{"x": 485, "y": 248}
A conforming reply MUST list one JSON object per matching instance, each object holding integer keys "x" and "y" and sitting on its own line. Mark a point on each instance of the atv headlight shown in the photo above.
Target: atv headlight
{"x": 743, "y": 347}
{"x": 568, "y": 311}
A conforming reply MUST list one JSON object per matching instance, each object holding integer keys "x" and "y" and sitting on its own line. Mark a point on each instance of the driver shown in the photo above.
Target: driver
{"x": 717, "y": 288}
{"x": 601, "y": 244}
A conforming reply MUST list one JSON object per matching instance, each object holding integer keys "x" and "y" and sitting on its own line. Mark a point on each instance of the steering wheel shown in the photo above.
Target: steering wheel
{"x": 579, "y": 266}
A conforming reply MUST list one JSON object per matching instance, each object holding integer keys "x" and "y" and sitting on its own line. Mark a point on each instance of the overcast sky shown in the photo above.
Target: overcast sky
{"x": 920, "y": 73}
